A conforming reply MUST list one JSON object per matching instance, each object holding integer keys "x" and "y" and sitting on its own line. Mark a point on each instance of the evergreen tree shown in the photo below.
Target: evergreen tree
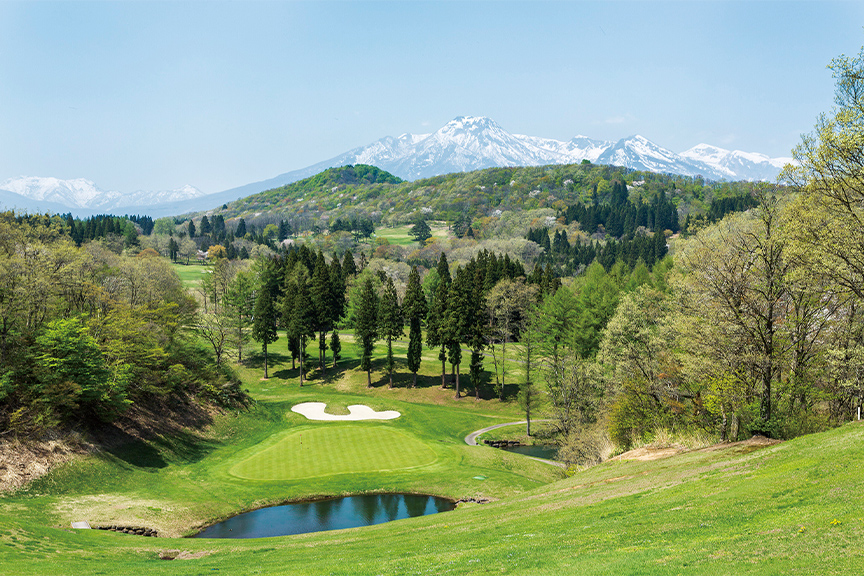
{"x": 421, "y": 231}
{"x": 416, "y": 309}
{"x": 349, "y": 267}
{"x": 284, "y": 230}
{"x": 239, "y": 302}
{"x": 173, "y": 249}
{"x": 459, "y": 316}
{"x": 218, "y": 226}
{"x": 264, "y": 323}
{"x": 301, "y": 317}
{"x": 475, "y": 336}
{"x": 336, "y": 347}
{"x": 191, "y": 228}
{"x": 322, "y": 301}
{"x": 205, "y": 227}
{"x": 390, "y": 322}
{"x": 240, "y": 230}
{"x": 366, "y": 327}
{"x": 337, "y": 289}
{"x": 437, "y": 319}
{"x": 659, "y": 247}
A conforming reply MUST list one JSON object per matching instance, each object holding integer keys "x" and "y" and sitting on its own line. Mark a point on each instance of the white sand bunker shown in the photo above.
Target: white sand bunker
{"x": 315, "y": 411}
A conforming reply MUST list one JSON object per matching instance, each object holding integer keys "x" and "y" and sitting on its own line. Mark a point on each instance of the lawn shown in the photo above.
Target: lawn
{"x": 191, "y": 275}
{"x": 789, "y": 508}
{"x": 334, "y": 449}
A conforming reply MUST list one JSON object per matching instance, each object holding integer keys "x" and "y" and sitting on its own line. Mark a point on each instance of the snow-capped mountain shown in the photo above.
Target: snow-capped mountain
{"x": 639, "y": 153}
{"x": 469, "y": 143}
{"x": 77, "y": 193}
{"x": 472, "y": 143}
{"x": 733, "y": 163}
{"x": 465, "y": 143}
{"x": 32, "y": 192}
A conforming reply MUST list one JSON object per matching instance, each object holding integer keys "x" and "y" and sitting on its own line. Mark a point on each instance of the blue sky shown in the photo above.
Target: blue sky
{"x": 155, "y": 95}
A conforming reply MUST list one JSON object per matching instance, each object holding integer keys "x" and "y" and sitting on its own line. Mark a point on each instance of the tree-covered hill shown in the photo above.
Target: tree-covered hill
{"x": 366, "y": 192}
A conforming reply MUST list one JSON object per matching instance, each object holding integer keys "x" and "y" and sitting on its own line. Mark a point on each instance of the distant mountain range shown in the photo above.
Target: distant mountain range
{"x": 82, "y": 197}
{"x": 464, "y": 144}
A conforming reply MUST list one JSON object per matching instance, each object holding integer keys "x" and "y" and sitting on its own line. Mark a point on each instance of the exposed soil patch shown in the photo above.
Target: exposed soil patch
{"x": 21, "y": 462}
{"x": 182, "y": 554}
{"x": 754, "y": 442}
{"x": 648, "y": 453}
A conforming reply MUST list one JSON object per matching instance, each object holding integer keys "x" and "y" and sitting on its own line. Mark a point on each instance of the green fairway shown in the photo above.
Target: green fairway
{"x": 337, "y": 449}
{"x": 789, "y": 508}
{"x": 191, "y": 274}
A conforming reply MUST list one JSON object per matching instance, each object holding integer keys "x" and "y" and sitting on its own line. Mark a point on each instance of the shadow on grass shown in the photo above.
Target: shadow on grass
{"x": 134, "y": 451}
{"x": 157, "y": 451}
{"x": 153, "y": 435}
{"x": 274, "y": 359}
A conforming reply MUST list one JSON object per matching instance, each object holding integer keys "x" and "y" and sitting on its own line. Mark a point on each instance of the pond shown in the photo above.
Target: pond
{"x": 537, "y": 451}
{"x": 331, "y": 514}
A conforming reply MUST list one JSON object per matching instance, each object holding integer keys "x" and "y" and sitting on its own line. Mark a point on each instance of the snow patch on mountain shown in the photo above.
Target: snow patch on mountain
{"x": 464, "y": 144}
{"x": 83, "y": 193}
{"x": 78, "y": 192}
{"x": 474, "y": 142}
{"x": 733, "y": 163}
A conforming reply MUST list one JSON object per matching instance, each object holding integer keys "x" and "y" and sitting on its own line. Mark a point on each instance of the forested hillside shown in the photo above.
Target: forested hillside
{"x": 86, "y": 332}
{"x": 481, "y": 197}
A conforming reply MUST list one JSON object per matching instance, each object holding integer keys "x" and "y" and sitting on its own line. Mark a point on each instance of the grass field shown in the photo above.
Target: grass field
{"x": 334, "y": 449}
{"x": 790, "y": 508}
{"x": 191, "y": 275}
{"x": 401, "y": 235}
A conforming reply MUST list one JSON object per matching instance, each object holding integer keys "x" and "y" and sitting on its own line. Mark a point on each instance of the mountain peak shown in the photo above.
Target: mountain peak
{"x": 469, "y": 124}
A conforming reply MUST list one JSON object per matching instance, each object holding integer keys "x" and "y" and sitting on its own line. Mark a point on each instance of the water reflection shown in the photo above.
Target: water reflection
{"x": 334, "y": 514}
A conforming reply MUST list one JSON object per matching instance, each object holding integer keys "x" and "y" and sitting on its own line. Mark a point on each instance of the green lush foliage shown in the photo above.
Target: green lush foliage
{"x": 481, "y": 199}
{"x": 85, "y": 333}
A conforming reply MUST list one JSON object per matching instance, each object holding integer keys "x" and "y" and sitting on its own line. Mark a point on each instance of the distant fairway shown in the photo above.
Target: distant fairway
{"x": 334, "y": 450}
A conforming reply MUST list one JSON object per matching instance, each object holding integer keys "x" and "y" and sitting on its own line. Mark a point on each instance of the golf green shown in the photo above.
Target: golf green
{"x": 335, "y": 450}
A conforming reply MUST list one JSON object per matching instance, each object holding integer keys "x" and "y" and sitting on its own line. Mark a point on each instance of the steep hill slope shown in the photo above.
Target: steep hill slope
{"x": 788, "y": 508}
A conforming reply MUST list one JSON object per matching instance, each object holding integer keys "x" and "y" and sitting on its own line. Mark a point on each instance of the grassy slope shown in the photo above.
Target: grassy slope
{"x": 789, "y": 508}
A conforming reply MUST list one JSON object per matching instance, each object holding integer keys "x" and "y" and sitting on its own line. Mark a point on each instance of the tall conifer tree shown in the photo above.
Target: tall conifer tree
{"x": 366, "y": 327}
{"x": 264, "y": 324}
{"x": 322, "y": 301}
{"x": 390, "y": 322}
{"x": 415, "y": 308}
{"x": 436, "y": 321}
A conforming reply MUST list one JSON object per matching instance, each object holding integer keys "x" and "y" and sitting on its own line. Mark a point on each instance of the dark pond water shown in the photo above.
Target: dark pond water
{"x": 333, "y": 514}
{"x": 538, "y": 451}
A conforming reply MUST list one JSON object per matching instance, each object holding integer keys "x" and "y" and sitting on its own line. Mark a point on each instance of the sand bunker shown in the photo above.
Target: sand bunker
{"x": 315, "y": 411}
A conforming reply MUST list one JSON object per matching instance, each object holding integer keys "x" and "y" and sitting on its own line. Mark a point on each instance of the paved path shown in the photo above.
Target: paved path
{"x": 471, "y": 439}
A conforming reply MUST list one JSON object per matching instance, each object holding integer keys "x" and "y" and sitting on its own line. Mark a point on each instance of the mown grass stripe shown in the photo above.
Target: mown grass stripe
{"x": 334, "y": 450}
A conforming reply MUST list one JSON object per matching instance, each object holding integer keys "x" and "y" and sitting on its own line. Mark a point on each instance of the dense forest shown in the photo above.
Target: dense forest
{"x": 485, "y": 198}
{"x": 86, "y": 332}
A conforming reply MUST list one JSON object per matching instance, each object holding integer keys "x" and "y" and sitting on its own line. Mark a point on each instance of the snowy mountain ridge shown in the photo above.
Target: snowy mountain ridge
{"x": 474, "y": 142}
{"x": 464, "y": 144}
{"x": 84, "y": 194}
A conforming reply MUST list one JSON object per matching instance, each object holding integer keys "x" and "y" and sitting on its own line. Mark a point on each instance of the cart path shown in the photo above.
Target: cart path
{"x": 471, "y": 439}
